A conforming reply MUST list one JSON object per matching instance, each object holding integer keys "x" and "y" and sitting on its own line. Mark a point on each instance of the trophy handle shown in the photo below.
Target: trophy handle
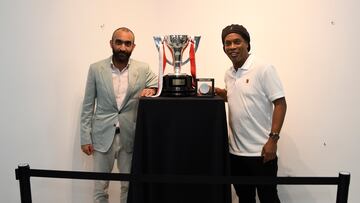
{"x": 197, "y": 41}
{"x": 158, "y": 40}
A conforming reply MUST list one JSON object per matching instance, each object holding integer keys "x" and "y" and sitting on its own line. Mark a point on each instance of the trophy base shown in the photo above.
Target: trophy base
{"x": 177, "y": 86}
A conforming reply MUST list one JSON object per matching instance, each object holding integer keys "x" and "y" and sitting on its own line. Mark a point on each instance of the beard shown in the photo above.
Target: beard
{"x": 121, "y": 56}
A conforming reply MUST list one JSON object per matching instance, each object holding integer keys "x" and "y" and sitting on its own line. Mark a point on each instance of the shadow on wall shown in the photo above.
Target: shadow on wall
{"x": 81, "y": 189}
{"x": 295, "y": 193}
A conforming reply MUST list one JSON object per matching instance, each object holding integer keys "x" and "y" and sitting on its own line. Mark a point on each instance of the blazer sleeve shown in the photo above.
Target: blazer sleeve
{"x": 88, "y": 108}
{"x": 151, "y": 78}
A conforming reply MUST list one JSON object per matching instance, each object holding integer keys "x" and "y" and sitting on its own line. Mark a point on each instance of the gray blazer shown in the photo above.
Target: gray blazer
{"x": 100, "y": 112}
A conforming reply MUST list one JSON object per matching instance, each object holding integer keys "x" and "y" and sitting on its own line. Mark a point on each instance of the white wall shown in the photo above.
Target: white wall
{"x": 47, "y": 46}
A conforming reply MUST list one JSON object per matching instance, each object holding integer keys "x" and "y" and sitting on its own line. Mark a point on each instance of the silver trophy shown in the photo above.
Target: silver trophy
{"x": 177, "y": 83}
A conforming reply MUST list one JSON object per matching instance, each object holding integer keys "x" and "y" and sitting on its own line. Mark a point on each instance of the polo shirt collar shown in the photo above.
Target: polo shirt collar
{"x": 247, "y": 64}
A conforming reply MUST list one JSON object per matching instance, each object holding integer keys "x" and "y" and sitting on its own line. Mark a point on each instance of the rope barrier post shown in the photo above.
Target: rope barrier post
{"x": 22, "y": 174}
{"x": 343, "y": 187}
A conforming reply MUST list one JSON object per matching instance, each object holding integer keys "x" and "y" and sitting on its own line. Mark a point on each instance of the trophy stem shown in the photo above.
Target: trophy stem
{"x": 177, "y": 67}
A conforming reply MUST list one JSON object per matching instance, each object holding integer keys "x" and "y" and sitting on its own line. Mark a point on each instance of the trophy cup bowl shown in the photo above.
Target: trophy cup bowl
{"x": 177, "y": 45}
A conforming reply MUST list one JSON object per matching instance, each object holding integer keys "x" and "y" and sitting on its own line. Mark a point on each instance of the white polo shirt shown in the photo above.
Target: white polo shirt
{"x": 250, "y": 92}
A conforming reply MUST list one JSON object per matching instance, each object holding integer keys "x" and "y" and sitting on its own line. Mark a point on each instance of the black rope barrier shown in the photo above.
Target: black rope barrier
{"x": 23, "y": 174}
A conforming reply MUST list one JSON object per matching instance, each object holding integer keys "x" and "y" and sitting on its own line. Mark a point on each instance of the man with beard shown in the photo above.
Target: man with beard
{"x": 109, "y": 109}
{"x": 257, "y": 108}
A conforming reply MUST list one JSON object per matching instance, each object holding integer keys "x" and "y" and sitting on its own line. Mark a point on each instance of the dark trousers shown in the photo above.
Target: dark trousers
{"x": 254, "y": 166}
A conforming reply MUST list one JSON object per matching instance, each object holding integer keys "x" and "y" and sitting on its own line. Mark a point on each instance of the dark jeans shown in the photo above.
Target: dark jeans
{"x": 254, "y": 166}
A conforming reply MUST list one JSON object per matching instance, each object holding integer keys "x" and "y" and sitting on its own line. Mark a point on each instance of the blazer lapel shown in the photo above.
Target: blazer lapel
{"x": 133, "y": 77}
{"x": 106, "y": 75}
